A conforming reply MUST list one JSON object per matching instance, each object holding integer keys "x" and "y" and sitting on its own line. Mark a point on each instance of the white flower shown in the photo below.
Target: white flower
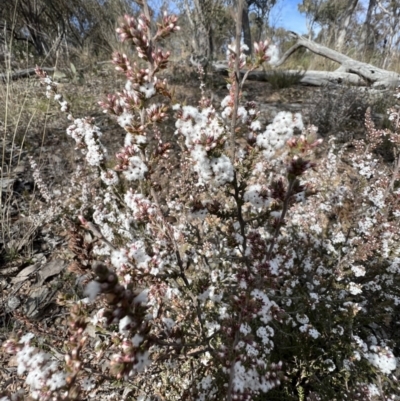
{"x": 222, "y": 169}
{"x": 355, "y": 288}
{"x": 255, "y": 125}
{"x": 137, "y": 169}
{"x": 92, "y": 290}
{"x": 245, "y": 328}
{"x": 125, "y": 119}
{"x": 382, "y": 358}
{"x": 148, "y": 90}
{"x": 303, "y": 319}
{"x": 314, "y": 333}
{"x": 338, "y": 238}
{"x": 88, "y": 383}
{"x": 56, "y": 380}
{"x": 143, "y": 361}
{"x": 124, "y": 325}
{"x": 119, "y": 258}
{"x": 25, "y": 339}
{"x": 358, "y": 271}
{"x": 137, "y": 339}
{"x": 330, "y": 365}
{"x": 64, "y": 106}
{"x": 109, "y": 177}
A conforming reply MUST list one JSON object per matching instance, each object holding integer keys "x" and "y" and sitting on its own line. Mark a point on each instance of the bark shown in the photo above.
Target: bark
{"x": 200, "y": 22}
{"x": 346, "y": 19}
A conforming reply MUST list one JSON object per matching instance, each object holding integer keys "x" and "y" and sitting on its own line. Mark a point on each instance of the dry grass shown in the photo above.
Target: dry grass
{"x": 18, "y": 119}
{"x": 31, "y": 125}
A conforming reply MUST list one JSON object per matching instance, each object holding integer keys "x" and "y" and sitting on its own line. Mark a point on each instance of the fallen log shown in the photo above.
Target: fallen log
{"x": 26, "y": 73}
{"x": 308, "y": 78}
{"x": 373, "y": 76}
{"x": 351, "y": 72}
{"x": 316, "y": 78}
{"x": 13, "y": 76}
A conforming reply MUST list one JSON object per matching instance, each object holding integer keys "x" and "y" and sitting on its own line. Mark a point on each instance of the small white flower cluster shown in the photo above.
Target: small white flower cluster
{"x": 367, "y": 166}
{"x": 43, "y": 372}
{"x": 267, "y": 304}
{"x": 382, "y": 358}
{"x": 310, "y": 330}
{"x": 204, "y": 132}
{"x": 109, "y": 177}
{"x": 210, "y": 294}
{"x": 87, "y": 137}
{"x": 92, "y": 290}
{"x": 354, "y": 288}
{"x": 136, "y": 170}
{"x": 303, "y": 319}
{"x": 51, "y": 90}
{"x": 394, "y": 266}
{"x": 212, "y": 327}
{"x": 359, "y": 271}
{"x": 265, "y": 333}
{"x": 206, "y": 389}
{"x": 50, "y": 85}
{"x": 137, "y": 251}
{"x": 278, "y": 132}
{"x": 140, "y": 206}
{"x": 254, "y": 195}
{"x": 250, "y": 380}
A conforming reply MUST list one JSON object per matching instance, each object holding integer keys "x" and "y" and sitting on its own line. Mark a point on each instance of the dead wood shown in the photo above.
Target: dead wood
{"x": 22, "y": 74}
{"x": 351, "y": 72}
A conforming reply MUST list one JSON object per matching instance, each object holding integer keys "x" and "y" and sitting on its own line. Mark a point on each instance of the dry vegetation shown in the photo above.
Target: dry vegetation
{"x": 46, "y": 251}
{"x": 45, "y": 264}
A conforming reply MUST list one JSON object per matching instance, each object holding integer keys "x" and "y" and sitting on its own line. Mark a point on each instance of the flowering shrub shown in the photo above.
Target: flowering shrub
{"x": 256, "y": 270}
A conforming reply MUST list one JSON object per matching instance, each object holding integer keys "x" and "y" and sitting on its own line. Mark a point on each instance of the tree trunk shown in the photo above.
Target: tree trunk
{"x": 346, "y": 19}
{"x": 199, "y": 17}
{"x": 246, "y": 28}
{"x": 367, "y": 37}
